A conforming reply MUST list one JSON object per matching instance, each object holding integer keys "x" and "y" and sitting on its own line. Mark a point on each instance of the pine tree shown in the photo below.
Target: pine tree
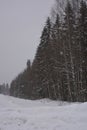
{"x": 40, "y": 65}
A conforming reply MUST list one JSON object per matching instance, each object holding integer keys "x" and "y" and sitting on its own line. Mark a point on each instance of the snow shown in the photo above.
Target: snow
{"x": 19, "y": 114}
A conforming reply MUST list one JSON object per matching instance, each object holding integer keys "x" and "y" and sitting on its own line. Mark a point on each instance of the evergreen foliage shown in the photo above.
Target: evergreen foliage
{"x": 59, "y": 69}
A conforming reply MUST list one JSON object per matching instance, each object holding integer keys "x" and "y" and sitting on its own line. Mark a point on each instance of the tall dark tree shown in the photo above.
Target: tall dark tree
{"x": 40, "y": 64}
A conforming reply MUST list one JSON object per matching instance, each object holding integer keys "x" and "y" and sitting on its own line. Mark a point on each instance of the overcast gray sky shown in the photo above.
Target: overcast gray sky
{"x": 21, "y": 23}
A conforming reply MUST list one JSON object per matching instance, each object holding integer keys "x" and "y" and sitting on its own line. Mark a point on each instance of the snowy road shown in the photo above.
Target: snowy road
{"x": 18, "y": 114}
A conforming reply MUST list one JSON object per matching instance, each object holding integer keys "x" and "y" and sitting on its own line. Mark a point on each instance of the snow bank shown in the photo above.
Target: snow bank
{"x": 19, "y": 114}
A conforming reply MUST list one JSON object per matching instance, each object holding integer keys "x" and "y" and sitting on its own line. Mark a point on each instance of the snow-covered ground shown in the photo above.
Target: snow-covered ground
{"x": 18, "y": 114}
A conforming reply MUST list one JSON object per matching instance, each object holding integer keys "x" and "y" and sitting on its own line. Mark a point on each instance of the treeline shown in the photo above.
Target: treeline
{"x": 59, "y": 69}
{"x": 4, "y": 89}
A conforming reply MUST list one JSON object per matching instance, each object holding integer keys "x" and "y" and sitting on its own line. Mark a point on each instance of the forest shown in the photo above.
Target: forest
{"x": 59, "y": 68}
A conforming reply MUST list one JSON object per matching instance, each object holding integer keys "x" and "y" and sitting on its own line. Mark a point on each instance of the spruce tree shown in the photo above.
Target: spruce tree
{"x": 40, "y": 64}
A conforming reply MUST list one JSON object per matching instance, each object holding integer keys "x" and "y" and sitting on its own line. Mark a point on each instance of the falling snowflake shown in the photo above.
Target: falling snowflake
{"x": 61, "y": 53}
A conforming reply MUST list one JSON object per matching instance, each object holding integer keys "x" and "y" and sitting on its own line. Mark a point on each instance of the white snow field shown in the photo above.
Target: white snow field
{"x": 19, "y": 114}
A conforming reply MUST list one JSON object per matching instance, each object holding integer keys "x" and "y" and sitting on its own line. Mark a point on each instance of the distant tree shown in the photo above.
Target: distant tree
{"x": 20, "y": 86}
{"x": 4, "y": 89}
{"x": 28, "y": 63}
